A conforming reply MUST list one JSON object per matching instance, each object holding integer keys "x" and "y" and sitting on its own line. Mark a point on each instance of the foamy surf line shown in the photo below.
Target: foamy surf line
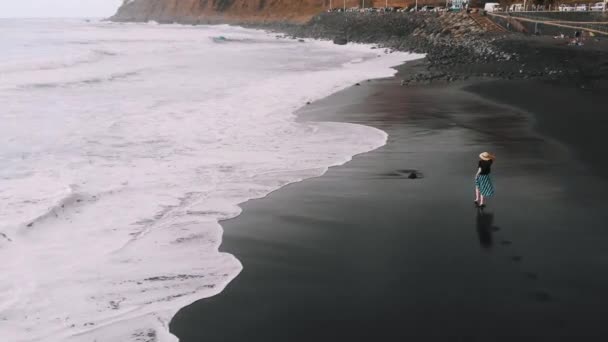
{"x": 110, "y": 215}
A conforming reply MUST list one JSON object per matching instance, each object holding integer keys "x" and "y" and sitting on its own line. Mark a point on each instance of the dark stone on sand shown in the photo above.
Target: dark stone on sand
{"x": 340, "y": 41}
{"x": 410, "y": 174}
{"x": 542, "y": 296}
{"x": 357, "y": 84}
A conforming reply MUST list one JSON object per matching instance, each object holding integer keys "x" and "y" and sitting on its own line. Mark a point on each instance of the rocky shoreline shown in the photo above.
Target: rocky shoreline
{"x": 458, "y": 48}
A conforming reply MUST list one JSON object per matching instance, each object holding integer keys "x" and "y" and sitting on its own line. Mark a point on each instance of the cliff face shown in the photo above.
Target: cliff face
{"x": 213, "y": 11}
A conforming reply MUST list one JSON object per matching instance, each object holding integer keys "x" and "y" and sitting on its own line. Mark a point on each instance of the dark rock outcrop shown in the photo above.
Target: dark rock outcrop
{"x": 231, "y": 11}
{"x": 340, "y": 41}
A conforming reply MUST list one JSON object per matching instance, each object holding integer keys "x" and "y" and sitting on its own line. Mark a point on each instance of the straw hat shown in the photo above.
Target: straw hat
{"x": 487, "y": 156}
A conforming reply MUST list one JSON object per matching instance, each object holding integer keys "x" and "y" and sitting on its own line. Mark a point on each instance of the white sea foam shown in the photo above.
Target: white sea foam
{"x": 123, "y": 146}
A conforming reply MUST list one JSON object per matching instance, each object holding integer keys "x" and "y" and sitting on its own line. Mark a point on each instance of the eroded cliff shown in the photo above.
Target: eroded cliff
{"x": 230, "y": 11}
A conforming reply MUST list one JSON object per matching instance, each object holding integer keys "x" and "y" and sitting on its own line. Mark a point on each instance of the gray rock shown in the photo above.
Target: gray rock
{"x": 340, "y": 41}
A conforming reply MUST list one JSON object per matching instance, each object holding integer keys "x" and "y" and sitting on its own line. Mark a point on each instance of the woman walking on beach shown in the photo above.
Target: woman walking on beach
{"x": 483, "y": 183}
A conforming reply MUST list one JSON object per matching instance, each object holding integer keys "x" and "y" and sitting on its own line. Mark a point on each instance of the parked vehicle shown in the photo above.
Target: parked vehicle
{"x": 516, "y": 8}
{"x": 566, "y": 8}
{"x": 492, "y": 7}
{"x": 581, "y": 8}
{"x": 598, "y": 6}
{"x": 427, "y": 8}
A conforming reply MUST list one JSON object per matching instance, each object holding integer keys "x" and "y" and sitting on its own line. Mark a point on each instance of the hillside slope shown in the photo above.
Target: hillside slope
{"x": 213, "y": 11}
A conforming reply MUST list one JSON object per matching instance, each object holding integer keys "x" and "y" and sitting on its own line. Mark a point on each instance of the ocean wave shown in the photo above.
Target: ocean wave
{"x": 155, "y": 166}
{"x": 61, "y": 208}
{"x": 224, "y": 40}
{"x": 94, "y": 56}
{"x": 4, "y": 238}
{"x": 83, "y": 82}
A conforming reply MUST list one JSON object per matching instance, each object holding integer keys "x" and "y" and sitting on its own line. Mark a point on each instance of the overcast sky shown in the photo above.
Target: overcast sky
{"x": 58, "y": 8}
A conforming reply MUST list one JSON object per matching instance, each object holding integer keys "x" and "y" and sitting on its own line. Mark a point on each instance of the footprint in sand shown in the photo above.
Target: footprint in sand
{"x": 539, "y": 296}
{"x": 516, "y": 258}
{"x": 531, "y": 275}
{"x": 542, "y": 296}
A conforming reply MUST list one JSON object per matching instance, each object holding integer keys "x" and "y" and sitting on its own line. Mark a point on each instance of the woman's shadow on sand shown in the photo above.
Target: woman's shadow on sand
{"x": 485, "y": 228}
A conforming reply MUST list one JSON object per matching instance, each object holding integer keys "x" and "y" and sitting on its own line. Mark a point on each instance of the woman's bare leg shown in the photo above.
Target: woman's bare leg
{"x": 476, "y": 194}
{"x": 481, "y": 200}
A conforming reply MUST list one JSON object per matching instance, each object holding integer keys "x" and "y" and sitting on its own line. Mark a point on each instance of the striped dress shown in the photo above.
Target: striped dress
{"x": 483, "y": 182}
{"x": 485, "y": 186}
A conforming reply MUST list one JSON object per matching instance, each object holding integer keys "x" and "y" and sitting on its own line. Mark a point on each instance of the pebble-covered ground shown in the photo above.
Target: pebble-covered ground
{"x": 458, "y": 48}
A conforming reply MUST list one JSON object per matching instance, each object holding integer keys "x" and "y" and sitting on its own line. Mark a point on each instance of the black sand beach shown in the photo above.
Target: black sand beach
{"x": 364, "y": 253}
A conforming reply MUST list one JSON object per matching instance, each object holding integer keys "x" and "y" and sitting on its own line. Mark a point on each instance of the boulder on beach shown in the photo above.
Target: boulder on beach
{"x": 340, "y": 41}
